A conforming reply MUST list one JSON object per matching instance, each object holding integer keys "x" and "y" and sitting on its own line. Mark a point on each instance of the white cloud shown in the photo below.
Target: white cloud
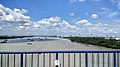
{"x": 27, "y": 24}
{"x": 95, "y": 29}
{"x": 1, "y": 6}
{"x": 73, "y": 27}
{"x": 81, "y": 0}
{"x": 24, "y": 11}
{"x": 106, "y": 12}
{"x": 115, "y": 32}
{"x": 1, "y": 28}
{"x": 36, "y": 26}
{"x": 102, "y": 25}
{"x": 17, "y": 10}
{"x": 113, "y": 14}
{"x": 96, "y": 0}
{"x": 2, "y": 12}
{"x": 71, "y": 14}
{"x": 72, "y": 1}
{"x": 94, "y": 16}
{"x": 117, "y": 3}
{"x": 54, "y": 19}
{"x": 83, "y": 22}
{"x": 49, "y": 25}
{"x": 54, "y": 23}
{"x": 88, "y": 24}
{"x": 105, "y": 9}
{"x": 16, "y": 15}
{"x": 21, "y": 27}
{"x": 103, "y": 29}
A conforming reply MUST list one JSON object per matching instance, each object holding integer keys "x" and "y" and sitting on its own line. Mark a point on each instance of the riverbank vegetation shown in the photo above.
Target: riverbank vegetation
{"x": 98, "y": 41}
{"x": 11, "y": 37}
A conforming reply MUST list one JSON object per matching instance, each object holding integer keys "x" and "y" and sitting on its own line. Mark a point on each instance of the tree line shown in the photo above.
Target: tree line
{"x": 98, "y": 41}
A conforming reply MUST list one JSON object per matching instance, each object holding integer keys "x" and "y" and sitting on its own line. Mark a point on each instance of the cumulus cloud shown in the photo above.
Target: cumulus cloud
{"x": 14, "y": 20}
{"x": 94, "y": 16}
{"x": 71, "y": 14}
{"x": 55, "y": 24}
{"x": 49, "y": 25}
{"x": 103, "y": 29}
{"x": 21, "y": 27}
{"x": 27, "y": 24}
{"x": 24, "y": 11}
{"x": 83, "y": 22}
{"x": 36, "y": 25}
{"x": 16, "y": 15}
{"x": 2, "y": 12}
{"x": 1, "y": 28}
{"x": 88, "y": 24}
{"x": 102, "y": 25}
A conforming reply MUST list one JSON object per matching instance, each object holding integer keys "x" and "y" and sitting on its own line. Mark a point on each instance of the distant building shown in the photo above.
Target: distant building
{"x": 107, "y": 38}
{"x": 117, "y": 38}
{"x": 113, "y": 37}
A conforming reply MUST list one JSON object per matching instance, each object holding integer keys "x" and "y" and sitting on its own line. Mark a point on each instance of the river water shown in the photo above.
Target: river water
{"x": 47, "y": 44}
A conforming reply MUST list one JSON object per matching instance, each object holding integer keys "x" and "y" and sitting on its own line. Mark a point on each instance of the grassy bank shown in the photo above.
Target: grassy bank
{"x": 98, "y": 41}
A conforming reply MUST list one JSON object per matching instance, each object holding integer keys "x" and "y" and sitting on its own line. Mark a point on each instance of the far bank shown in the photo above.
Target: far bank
{"x": 98, "y": 41}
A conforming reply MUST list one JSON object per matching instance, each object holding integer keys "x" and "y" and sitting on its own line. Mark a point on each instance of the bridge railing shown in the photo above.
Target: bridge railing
{"x": 71, "y": 58}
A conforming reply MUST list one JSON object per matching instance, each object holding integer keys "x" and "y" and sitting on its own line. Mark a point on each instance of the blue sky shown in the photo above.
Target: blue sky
{"x": 63, "y": 17}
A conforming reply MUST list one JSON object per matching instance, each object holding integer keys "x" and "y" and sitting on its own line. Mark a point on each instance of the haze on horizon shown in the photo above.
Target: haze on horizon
{"x": 60, "y": 17}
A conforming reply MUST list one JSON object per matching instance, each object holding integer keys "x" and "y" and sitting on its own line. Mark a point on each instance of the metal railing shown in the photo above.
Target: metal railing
{"x": 72, "y": 58}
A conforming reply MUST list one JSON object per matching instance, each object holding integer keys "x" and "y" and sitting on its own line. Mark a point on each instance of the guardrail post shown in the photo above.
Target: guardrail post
{"x": 114, "y": 59}
{"x": 56, "y": 60}
{"x": 86, "y": 56}
{"x": 21, "y": 62}
{"x": 1, "y": 60}
{"x": 56, "y": 56}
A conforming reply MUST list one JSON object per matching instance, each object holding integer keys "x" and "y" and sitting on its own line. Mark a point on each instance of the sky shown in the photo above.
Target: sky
{"x": 60, "y": 17}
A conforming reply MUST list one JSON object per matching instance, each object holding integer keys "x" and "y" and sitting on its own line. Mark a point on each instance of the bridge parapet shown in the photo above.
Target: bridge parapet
{"x": 69, "y": 58}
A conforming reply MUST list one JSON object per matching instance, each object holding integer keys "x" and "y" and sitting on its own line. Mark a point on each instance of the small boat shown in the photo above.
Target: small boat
{"x": 89, "y": 45}
{"x": 5, "y": 41}
{"x": 28, "y": 39}
{"x": 31, "y": 39}
{"x": 29, "y": 43}
{"x": 45, "y": 38}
